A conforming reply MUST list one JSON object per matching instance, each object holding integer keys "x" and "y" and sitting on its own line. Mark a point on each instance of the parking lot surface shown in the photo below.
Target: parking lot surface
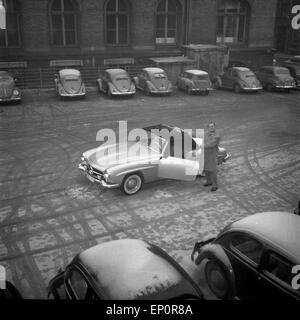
{"x": 49, "y": 211}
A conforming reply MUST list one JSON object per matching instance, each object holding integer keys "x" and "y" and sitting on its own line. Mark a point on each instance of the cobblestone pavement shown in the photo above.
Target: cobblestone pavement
{"x": 49, "y": 211}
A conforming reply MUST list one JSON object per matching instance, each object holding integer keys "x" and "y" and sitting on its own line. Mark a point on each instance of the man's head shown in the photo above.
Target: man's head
{"x": 212, "y": 127}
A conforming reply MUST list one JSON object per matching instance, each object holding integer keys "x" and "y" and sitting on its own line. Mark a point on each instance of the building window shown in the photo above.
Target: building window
{"x": 232, "y": 23}
{"x": 63, "y": 23}
{"x": 167, "y": 22}
{"x": 10, "y": 37}
{"x": 117, "y": 22}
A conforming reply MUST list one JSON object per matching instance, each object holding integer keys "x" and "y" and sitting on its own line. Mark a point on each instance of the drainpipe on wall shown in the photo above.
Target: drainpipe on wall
{"x": 186, "y": 21}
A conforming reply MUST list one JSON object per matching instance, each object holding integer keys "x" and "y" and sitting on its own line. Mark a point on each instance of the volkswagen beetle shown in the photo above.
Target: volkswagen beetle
{"x": 8, "y": 89}
{"x": 153, "y": 81}
{"x": 295, "y": 72}
{"x": 124, "y": 269}
{"x": 239, "y": 79}
{"x": 116, "y": 82}
{"x": 68, "y": 83}
{"x": 114, "y": 165}
{"x": 276, "y": 78}
{"x": 194, "y": 81}
{"x": 253, "y": 258}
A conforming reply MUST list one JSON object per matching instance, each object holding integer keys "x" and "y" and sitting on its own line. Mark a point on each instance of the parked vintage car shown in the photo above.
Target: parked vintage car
{"x": 295, "y": 72}
{"x": 113, "y": 167}
{"x": 276, "y": 78}
{"x": 68, "y": 83}
{"x": 8, "y": 89}
{"x": 253, "y": 258}
{"x": 193, "y": 81}
{"x": 239, "y": 79}
{"x": 153, "y": 81}
{"x": 116, "y": 82}
{"x": 124, "y": 269}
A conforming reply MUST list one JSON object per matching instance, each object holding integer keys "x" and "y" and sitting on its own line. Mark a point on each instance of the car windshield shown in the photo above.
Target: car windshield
{"x": 5, "y": 78}
{"x": 282, "y": 71}
{"x": 154, "y": 142}
{"x": 122, "y": 77}
{"x": 159, "y": 76}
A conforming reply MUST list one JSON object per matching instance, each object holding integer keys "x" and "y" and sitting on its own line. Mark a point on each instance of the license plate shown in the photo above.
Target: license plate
{"x": 90, "y": 178}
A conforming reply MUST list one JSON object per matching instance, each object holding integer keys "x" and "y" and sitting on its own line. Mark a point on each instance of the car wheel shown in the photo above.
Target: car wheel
{"x": 287, "y": 90}
{"x": 188, "y": 90}
{"x": 147, "y": 90}
{"x": 132, "y": 184}
{"x": 109, "y": 93}
{"x": 237, "y": 88}
{"x": 269, "y": 87}
{"x": 216, "y": 279}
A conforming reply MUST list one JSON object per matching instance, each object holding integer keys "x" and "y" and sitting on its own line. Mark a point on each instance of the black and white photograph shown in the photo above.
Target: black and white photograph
{"x": 149, "y": 150}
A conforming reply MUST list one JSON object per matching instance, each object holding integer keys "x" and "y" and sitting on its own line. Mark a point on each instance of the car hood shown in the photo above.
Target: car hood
{"x": 105, "y": 157}
{"x": 122, "y": 85}
{"x": 160, "y": 83}
{"x": 251, "y": 81}
{"x": 71, "y": 85}
{"x": 7, "y": 87}
{"x": 202, "y": 83}
{"x": 283, "y": 77}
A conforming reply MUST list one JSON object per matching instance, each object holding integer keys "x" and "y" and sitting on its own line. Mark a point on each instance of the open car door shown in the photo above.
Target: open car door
{"x": 178, "y": 169}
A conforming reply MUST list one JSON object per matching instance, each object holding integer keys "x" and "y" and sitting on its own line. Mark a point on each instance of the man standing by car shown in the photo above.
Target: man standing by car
{"x": 211, "y": 143}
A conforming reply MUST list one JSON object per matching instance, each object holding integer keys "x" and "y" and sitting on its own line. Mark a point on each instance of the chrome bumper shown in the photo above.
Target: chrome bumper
{"x": 201, "y": 89}
{"x": 284, "y": 87}
{"x": 11, "y": 99}
{"x": 252, "y": 89}
{"x": 122, "y": 93}
{"x": 72, "y": 94}
{"x": 82, "y": 167}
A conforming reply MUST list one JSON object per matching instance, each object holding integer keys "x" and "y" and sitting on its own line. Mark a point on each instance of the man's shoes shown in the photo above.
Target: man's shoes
{"x": 213, "y": 189}
{"x": 207, "y": 184}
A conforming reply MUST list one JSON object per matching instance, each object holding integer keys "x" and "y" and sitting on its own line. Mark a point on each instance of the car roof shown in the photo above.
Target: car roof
{"x": 5, "y": 73}
{"x": 241, "y": 68}
{"x": 281, "y": 229}
{"x": 153, "y": 70}
{"x": 196, "y": 72}
{"x": 69, "y": 72}
{"x": 131, "y": 269}
{"x": 116, "y": 71}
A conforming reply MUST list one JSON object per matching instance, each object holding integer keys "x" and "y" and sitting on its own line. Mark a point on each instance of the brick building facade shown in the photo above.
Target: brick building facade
{"x": 92, "y": 30}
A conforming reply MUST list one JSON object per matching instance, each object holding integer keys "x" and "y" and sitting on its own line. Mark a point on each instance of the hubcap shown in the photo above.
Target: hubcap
{"x": 216, "y": 280}
{"x": 133, "y": 184}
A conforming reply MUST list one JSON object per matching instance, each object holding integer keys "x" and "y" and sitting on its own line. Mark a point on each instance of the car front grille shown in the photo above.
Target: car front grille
{"x": 5, "y": 93}
{"x": 94, "y": 172}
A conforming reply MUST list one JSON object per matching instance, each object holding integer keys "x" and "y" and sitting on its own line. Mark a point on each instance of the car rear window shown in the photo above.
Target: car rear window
{"x": 201, "y": 77}
{"x": 119, "y": 78}
{"x": 282, "y": 71}
{"x": 159, "y": 76}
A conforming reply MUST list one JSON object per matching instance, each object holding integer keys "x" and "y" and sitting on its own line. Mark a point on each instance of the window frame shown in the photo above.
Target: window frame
{"x": 165, "y": 14}
{"x": 237, "y": 16}
{"x": 272, "y": 277}
{"x": 117, "y": 13}
{"x": 61, "y": 14}
{"x": 16, "y": 12}
{"x": 241, "y": 255}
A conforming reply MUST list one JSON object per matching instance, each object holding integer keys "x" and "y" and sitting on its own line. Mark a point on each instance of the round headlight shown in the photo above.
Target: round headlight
{"x": 16, "y": 92}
